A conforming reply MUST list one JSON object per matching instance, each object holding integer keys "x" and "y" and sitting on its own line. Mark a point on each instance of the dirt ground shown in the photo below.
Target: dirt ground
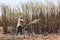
{"x": 26, "y": 37}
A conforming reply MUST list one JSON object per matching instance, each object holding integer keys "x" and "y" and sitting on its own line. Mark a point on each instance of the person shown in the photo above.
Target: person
{"x": 19, "y": 25}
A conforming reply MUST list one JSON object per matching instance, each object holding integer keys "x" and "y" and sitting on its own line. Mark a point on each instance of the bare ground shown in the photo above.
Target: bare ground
{"x": 28, "y": 37}
{"x": 36, "y": 37}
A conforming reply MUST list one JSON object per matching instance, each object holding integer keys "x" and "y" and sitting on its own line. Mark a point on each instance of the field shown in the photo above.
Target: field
{"x": 36, "y": 37}
{"x": 28, "y": 37}
{"x": 39, "y": 18}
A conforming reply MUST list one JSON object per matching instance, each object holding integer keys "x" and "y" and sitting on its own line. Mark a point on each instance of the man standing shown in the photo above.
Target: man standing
{"x": 19, "y": 25}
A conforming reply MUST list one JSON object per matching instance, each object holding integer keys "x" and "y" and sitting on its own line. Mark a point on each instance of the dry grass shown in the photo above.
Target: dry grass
{"x": 38, "y": 37}
{"x": 28, "y": 37}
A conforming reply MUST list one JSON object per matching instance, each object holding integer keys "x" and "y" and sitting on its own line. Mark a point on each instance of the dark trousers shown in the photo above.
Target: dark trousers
{"x": 19, "y": 30}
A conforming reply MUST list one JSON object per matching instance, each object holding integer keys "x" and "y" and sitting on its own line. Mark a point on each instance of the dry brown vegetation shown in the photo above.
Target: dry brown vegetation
{"x": 36, "y": 37}
{"x": 48, "y": 17}
{"x": 39, "y": 19}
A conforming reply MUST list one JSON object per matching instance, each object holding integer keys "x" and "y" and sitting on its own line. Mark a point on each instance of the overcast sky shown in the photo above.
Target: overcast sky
{"x": 14, "y": 3}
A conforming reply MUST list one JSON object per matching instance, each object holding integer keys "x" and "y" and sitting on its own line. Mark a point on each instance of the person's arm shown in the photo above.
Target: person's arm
{"x": 24, "y": 23}
{"x": 18, "y": 22}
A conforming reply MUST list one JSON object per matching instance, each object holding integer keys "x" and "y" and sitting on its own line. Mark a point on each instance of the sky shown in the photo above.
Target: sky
{"x": 13, "y": 3}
